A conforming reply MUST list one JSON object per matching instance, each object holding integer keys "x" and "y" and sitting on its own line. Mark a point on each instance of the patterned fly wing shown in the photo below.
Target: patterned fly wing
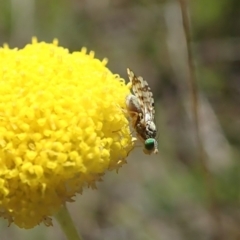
{"x": 143, "y": 92}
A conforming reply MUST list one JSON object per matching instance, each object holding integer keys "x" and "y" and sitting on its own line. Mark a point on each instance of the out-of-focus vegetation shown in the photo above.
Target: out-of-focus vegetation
{"x": 168, "y": 196}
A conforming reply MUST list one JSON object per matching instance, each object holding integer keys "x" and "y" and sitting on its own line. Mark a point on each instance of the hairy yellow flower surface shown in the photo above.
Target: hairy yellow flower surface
{"x": 62, "y": 125}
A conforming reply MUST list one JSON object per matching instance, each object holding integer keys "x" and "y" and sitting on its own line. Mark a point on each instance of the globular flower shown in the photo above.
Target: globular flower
{"x": 62, "y": 125}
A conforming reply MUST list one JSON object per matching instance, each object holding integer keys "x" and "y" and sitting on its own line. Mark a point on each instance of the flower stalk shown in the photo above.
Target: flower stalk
{"x": 66, "y": 223}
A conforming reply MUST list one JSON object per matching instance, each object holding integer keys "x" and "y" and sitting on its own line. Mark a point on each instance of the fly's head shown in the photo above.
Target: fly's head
{"x": 150, "y": 146}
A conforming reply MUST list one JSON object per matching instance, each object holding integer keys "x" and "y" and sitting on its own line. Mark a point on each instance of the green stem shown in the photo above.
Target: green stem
{"x": 66, "y": 223}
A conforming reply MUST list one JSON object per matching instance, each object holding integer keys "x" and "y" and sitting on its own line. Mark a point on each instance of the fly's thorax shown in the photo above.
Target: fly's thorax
{"x": 151, "y": 130}
{"x": 133, "y": 104}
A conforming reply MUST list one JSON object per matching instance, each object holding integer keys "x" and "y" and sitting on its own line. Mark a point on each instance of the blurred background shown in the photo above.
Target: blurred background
{"x": 179, "y": 194}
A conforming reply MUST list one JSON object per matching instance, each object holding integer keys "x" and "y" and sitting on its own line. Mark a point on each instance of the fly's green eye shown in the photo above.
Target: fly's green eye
{"x": 150, "y": 143}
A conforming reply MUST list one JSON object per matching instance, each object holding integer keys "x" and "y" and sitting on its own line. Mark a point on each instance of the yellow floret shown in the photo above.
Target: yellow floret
{"x": 62, "y": 125}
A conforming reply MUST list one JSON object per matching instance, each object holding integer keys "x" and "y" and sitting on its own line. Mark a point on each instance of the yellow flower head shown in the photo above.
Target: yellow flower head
{"x": 62, "y": 125}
